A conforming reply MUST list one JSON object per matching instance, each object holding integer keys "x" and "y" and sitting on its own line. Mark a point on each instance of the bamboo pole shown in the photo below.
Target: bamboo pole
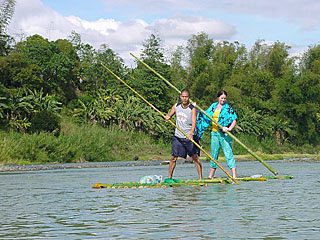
{"x": 198, "y": 107}
{"x": 173, "y": 124}
{"x": 147, "y": 185}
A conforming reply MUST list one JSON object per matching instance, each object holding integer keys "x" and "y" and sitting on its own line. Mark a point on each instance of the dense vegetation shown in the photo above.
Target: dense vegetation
{"x": 43, "y": 83}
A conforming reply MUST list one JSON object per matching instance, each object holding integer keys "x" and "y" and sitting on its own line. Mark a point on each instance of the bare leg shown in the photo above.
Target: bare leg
{"x": 212, "y": 172}
{"x": 197, "y": 162}
{"x": 172, "y": 165}
{"x": 233, "y": 171}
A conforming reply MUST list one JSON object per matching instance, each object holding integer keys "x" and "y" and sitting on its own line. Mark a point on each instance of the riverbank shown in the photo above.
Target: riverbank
{"x": 88, "y": 145}
{"x": 165, "y": 161}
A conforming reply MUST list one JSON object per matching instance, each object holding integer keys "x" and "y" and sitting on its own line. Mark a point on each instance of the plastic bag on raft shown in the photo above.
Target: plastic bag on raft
{"x": 151, "y": 179}
{"x": 256, "y": 176}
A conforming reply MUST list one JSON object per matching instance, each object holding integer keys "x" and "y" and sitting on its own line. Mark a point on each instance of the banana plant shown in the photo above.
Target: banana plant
{"x": 132, "y": 114}
{"x": 99, "y": 110}
{"x": 3, "y": 106}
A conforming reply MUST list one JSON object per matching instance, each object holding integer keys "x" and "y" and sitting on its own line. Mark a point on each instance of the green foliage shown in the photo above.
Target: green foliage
{"x": 6, "y": 13}
{"x": 297, "y": 98}
{"x": 254, "y": 123}
{"x": 39, "y": 64}
{"x": 130, "y": 114}
{"x": 5, "y": 44}
{"x": 262, "y": 125}
{"x": 310, "y": 60}
{"x": 98, "y": 108}
{"x": 178, "y": 73}
{"x": 20, "y": 105}
{"x": 45, "y": 120}
{"x": 133, "y": 114}
{"x": 199, "y": 49}
{"x": 212, "y": 66}
{"x": 276, "y": 97}
{"x": 16, "y": 107}
{"x": 146, "y": 82}
{"x": 92, "y": 75}
{"x": 19, "y": 124}
{"x": 85, "y": 143}
{"x": 152, "y": 49}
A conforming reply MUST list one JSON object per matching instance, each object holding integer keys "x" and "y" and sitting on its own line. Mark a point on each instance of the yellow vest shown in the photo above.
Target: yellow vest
{"x": 215, "y": 117}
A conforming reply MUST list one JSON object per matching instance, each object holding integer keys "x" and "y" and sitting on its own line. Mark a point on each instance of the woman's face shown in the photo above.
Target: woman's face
{"x": 222, "y": 99}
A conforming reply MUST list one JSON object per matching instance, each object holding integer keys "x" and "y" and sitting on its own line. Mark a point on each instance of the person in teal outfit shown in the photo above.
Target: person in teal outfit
{"x": 224, "y": 114}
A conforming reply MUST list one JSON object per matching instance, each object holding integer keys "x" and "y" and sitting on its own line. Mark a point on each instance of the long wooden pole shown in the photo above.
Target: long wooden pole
{"x": 173, "y": 124}
{"x": 229, "y": 133}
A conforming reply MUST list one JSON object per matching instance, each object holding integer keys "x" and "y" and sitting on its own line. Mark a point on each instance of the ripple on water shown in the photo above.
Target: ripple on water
{"x": 61, "y": 204}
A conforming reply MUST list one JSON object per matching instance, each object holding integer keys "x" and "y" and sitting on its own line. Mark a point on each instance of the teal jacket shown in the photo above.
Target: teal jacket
{"x": 226, "y": 117}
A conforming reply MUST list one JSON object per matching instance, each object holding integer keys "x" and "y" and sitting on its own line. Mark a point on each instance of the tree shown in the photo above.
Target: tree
{"x": 93, "y": 76}
{"x": 98, "y": 76}
{"x": 277, "y": 59}
{"x": 39, "y": 64}
{"x": 309, "y": 105}
{"x": 199, "y": 50}
{"x": 297, "y": 97}
{"x": 152, "y": 49}
{"x": 213, "y": 67}
{"x": 146, "y": 82}
{"x": 6, "y": 13}
{"x": 227, "y": 60}
{"x": 178, "y": 73}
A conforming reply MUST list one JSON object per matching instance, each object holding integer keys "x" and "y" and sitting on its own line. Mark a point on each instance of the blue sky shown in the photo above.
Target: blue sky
{"x": 125, "y": 24}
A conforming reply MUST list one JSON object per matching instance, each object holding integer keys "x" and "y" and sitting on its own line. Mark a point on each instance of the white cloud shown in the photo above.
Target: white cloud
{"x": 301, "y": 12}
{"x": 104, "y": 26}
{"x": 185, "y": 26}
{"x": 181, "y": 19}
{"x": 32, "y": 17}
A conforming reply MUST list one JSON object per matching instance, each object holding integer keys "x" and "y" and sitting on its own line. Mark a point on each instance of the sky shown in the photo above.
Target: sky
{"x": 125, "y": 24}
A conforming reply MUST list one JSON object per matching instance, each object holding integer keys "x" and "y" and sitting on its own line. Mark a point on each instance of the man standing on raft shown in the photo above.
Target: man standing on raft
{"x": 186, "y": 115}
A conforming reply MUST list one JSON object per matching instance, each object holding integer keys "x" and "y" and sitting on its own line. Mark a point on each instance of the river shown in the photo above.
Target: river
{"x": 60, "y": 204}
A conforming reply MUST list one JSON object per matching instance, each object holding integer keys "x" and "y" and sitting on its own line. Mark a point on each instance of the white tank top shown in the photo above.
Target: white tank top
{"x": 184, "y": 120}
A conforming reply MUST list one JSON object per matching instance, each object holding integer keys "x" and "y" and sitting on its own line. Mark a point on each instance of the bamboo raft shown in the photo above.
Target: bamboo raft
{"x": 192, "y": 182}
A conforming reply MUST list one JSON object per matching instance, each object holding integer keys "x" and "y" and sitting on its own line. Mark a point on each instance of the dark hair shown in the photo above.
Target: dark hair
{"x": 185, "y": 90}
{"x": 221, "y": 93}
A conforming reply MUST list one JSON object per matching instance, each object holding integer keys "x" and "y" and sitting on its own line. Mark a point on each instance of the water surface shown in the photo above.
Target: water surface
{"x": 60, "y": 204}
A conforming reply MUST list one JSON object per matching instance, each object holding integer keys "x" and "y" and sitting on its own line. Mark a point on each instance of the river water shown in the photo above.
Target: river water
{"x": 60, "y": 204}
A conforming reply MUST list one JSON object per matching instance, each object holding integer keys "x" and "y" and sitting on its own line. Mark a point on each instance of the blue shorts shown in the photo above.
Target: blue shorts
{"x": 181, "y": 147}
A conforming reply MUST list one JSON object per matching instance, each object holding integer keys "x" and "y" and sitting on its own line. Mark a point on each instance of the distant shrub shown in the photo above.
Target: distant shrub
{"x": 45, "y": 121}
{"x": 75, "y": 103}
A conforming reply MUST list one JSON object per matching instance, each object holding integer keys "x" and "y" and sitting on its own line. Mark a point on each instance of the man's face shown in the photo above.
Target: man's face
{"x": 184, "y": 97}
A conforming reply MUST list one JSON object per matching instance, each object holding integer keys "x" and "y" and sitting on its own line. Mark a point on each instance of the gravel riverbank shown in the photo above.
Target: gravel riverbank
{"x": 36, "y": 167}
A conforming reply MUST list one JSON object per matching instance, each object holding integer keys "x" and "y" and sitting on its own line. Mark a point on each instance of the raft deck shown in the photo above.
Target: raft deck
{"x": 192, "y": 182}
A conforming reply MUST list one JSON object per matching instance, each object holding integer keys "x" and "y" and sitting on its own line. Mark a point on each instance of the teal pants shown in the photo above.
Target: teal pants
{"x": 218, "y": 140}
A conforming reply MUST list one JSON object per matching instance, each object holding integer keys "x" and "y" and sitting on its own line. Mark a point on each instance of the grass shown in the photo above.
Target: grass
{"x": 267, "y": 149}
{"x": 92, "y": 143}
{"x": 78, "y": 143}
